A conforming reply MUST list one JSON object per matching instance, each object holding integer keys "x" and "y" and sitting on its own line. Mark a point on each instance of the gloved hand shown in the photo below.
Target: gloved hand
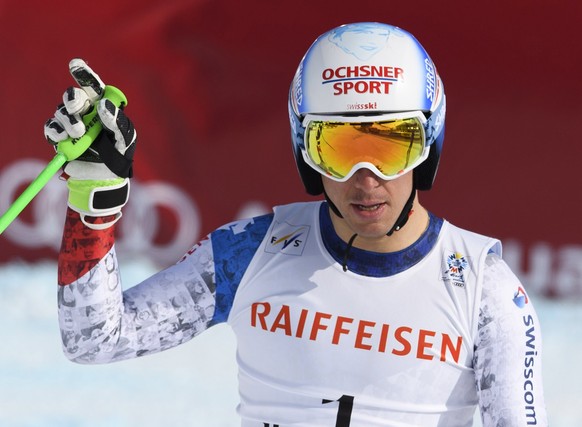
{"x": 98, "y": 180}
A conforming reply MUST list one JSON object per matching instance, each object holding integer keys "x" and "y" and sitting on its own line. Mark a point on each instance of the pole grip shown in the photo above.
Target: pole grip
{"x": 67, "y": 150}
{"x": 74, "y": 147}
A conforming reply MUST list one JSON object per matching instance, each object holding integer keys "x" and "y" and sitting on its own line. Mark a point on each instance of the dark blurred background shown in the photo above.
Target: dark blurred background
{"x": 207, "y": 83}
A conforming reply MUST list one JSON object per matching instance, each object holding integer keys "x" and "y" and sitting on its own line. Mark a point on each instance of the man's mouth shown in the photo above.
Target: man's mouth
{"x": 369, "y": 207}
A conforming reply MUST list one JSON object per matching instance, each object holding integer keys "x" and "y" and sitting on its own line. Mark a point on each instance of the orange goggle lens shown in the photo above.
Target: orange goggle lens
{"x": 392, "y": 146}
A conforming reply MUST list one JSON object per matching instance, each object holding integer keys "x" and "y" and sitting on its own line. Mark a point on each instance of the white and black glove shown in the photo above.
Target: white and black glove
{"x": 98, "y": 180}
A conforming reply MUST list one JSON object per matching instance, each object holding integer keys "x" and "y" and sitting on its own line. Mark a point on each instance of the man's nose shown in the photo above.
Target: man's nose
{"x": 365, "y": 178}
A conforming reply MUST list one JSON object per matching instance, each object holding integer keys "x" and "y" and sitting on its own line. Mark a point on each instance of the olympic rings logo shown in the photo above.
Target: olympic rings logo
{"x": 137, "y": 231}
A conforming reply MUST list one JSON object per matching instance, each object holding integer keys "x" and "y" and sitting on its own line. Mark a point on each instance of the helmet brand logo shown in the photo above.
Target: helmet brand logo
{"x": 297, "y": 87}
{"x": 380, "y": 71}
{"x": 362, "y": 78}
{"x": 430, "y": 80}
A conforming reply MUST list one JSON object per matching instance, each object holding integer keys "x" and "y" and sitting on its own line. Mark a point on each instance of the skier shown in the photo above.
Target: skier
{"x": 360, "y": 309}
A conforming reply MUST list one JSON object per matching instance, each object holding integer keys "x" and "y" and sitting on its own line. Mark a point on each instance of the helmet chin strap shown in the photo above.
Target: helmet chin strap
{"x": 404, "y": 214}
{"x": 400, "y": 221}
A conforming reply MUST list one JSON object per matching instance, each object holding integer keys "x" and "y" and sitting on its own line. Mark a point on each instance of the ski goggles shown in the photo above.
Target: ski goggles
{"x": 389, "y": 145}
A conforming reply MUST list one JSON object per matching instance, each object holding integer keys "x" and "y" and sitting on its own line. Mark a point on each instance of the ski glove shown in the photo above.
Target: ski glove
{"x": 98, "y": 180}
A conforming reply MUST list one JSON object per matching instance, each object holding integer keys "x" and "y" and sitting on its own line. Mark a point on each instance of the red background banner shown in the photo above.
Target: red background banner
{"x": 207, "y": 83}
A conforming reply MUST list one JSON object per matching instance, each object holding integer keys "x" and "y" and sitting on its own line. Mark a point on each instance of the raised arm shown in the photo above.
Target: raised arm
{"x": 99, "y": 323}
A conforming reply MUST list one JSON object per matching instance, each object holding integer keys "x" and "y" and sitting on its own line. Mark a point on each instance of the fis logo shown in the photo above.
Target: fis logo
{"x": 457, "y": 265}
{"x": 287, "y": 239}
{"x": 520, "y": 298}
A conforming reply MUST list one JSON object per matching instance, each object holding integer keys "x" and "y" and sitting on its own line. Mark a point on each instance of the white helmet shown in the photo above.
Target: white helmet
{"x": 363, "y": 70}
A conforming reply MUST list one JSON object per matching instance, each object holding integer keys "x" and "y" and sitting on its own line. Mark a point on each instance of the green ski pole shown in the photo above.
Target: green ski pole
{"x": 67, "y": 150}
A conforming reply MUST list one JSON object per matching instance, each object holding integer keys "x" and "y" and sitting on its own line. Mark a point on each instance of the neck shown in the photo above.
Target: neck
{"x": 381, "y": 243}
{"x": 377, "y": 264}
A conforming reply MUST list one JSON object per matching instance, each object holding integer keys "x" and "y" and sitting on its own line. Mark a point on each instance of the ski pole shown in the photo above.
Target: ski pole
{"x": 67, "y": 150}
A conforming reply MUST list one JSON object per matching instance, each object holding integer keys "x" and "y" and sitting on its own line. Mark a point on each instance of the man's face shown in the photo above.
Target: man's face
{"x": 369, "y": 205}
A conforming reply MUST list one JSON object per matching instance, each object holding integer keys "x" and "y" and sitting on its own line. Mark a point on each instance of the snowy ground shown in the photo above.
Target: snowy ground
{"x": 193, "y": 385}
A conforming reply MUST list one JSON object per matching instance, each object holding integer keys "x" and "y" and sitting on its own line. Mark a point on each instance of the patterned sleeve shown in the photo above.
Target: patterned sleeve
{"x": 508, "y": 352}
{"x": 101, "y": 323}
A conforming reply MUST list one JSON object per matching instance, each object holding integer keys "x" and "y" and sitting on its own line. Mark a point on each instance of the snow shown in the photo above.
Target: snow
{"x": 192, "y": 385}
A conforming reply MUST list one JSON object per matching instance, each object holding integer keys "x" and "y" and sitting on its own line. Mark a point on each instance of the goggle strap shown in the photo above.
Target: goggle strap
{"x": 435, "y": 122}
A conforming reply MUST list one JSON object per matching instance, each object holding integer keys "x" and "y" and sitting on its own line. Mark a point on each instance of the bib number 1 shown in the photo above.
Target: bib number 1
{"x": 344, "y": 412}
